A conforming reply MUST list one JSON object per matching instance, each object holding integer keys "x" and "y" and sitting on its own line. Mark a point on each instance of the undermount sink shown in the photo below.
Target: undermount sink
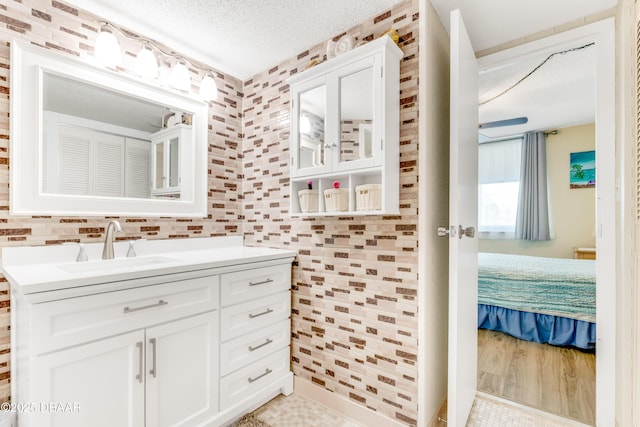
{"x": 115, "y": 265}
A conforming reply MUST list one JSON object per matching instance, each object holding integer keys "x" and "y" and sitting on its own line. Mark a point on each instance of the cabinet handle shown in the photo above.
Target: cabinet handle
{"x": 268, "y": 341}
{"x": 266, "y": 372}
{"x": 139, "y": 376}
{"x": 145, "y": 307}
{"x": 267, "y": 311}
{"x": 260, "y": 283}
{"x": 153, "y": 370}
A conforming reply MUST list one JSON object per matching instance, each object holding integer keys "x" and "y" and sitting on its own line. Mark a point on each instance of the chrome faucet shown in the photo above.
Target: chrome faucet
{"x": 113, "y": 227}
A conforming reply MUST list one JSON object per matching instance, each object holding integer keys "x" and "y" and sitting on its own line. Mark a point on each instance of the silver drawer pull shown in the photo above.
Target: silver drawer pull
{"x": 139, "y": 376}
{"x": 260, "y": 283}
{"x": 154, "y": 369}
{"x": 268, "y": 341}
{"x": 266, "y": 372}
{"x": 267, "y": 311}
{"x": 144, "y": 307}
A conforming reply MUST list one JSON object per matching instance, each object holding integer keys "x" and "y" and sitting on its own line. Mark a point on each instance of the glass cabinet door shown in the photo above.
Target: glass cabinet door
{"x": 356, "y": 115}
{"x": 311, "y": 129}
{"x": 173, "y": 163}
{"x": 165, "y": 160}
{"x": 158, "y": 165}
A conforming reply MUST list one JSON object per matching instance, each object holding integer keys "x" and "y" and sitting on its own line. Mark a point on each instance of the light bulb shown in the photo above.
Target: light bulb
{"x": 146, "y": 64}
{"x": 208, "y": 88}
{"x": 180, "y": 78}
{"x": 107, "y": 48}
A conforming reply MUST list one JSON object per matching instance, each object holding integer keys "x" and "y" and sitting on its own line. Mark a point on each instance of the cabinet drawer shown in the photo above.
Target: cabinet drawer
{"x": 69, "y": 322}
{"x": 244, "y": 318}
{"x": 240, "y": 384}
{"x": 255, "y": 283}
{"x": 254, "y": 346}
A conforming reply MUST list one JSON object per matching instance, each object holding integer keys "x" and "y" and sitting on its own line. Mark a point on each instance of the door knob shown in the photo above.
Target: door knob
{"x": 468, "y": 231}
{"x": 444, "y": 231}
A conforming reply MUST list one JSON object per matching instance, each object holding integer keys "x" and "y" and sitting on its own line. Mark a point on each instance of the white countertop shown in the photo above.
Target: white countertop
{"x": 40, "y": 269}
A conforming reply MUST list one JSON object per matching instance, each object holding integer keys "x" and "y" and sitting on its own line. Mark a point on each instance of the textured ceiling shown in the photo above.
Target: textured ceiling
{"x": 493, "y": 22}
{"x": 239, "y": 37}
{"x": 561, "y": 93}
{"x": 245, "y": 37}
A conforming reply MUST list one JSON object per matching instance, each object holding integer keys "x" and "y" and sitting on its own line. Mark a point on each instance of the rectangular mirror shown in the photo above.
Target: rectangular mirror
{"x": 312, "y": 128}
{"x": 89, "y": 141}
{"x": 356, "y": 115}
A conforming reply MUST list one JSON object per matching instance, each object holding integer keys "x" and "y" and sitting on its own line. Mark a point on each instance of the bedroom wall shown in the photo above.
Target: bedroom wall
{"x": 572, "y": 210}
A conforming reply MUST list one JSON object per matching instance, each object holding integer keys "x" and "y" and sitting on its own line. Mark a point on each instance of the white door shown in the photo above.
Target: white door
{"x": 463, "y": 211}
{"x": 182, "y": 367}
{"x": 99, "y": 385}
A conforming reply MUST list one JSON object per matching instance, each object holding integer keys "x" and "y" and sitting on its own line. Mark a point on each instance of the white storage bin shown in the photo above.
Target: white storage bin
{"x": 308, "y": 200}
{"x": 369, "y": 197}
{"x": 336, "y": 200}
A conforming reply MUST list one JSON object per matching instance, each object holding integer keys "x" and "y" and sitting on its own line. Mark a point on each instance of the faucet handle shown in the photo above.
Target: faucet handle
{"x": 82, "y": 254}
{"x": 131, "y": 252}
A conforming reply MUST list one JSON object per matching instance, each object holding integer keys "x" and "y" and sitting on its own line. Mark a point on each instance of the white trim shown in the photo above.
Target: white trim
{"x": 346, "y": 408}
{"x": 603, "y": 33}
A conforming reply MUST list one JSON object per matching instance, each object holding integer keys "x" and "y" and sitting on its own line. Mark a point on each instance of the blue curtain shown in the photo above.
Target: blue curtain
{"x": 532, "y": 221}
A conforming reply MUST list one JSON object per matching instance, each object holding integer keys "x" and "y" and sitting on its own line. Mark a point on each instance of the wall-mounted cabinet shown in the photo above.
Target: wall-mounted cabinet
{"x": 345, "y": 129}
{"x": 165, "y": 154}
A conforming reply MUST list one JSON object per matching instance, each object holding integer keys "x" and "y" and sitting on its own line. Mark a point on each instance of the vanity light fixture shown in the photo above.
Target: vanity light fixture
{"x": 108, "y": 48}
{"x": 107, "y": 51}
{"x": 208, "y": 87}
{"x": 180, "y": 78}
{"x": 146, "y": 63}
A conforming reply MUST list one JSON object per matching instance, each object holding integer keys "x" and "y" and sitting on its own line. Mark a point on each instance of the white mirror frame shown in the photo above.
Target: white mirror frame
{"x": 28, "y": 63}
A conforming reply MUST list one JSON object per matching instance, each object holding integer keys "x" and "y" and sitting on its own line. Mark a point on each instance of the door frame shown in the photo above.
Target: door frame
{"x": 603, "y": 34}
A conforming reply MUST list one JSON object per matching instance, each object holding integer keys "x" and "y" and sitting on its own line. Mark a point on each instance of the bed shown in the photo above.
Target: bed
{"x": 546, "y": 300}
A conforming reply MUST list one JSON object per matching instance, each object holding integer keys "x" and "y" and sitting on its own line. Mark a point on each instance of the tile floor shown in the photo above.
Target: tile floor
{"x": 487, "y": 411}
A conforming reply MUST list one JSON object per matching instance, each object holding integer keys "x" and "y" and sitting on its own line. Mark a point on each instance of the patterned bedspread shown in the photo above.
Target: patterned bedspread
{"x": 556, "y": 286}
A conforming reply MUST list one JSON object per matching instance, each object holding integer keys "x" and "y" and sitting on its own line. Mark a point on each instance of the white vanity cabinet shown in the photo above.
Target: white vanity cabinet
{"x": 255, "y": 331}
{"x": 199, "y": 340}
{"x": 160, "y": 367}
{"x": 345, "y": 126}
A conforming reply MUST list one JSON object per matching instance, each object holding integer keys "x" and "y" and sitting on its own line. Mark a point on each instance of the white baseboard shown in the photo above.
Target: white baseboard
{"x": 348, "y": 409}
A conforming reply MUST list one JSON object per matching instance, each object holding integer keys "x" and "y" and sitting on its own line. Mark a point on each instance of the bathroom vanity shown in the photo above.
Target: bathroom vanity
{"x": 188, "y": 332}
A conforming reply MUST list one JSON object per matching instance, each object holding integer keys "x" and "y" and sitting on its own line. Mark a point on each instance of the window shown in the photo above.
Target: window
{"x": 499, "y": 185}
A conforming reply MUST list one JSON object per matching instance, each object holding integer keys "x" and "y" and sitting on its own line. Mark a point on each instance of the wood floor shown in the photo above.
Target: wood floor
{"x": 557, "y": 380}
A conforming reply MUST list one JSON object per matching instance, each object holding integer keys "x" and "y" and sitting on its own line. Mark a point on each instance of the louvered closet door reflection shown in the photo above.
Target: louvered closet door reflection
{"x": 108, "y": 165}
{"x": 137, "y": 168}
{"x": 74, "y": 160}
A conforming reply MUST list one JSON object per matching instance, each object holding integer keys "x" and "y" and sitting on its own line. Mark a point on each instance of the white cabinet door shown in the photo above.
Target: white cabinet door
{"x": 182, "y": 368}
{"x": 99, "y": 385}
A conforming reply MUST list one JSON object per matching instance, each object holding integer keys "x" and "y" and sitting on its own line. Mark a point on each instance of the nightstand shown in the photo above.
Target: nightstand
{"x": 584, "y": 253}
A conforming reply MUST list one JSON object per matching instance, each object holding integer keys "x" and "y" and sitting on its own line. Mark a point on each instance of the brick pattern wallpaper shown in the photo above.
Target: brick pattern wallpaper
{"x": 355, "y": 284}
{"x": 55, "y": 25}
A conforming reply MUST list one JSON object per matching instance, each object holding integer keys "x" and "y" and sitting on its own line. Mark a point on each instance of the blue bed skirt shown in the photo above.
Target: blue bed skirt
{"x": 541, "y": 328}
